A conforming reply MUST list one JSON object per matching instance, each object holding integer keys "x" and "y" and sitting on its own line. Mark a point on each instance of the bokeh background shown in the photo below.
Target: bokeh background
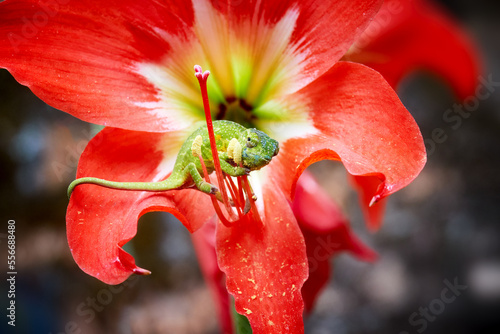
{"x": 442, "y": 229}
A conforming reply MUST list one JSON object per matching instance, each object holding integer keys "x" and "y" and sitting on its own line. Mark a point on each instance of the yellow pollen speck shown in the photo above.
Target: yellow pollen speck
{"x": 247, "y": 311}
{"x": 270, "y": 295}
{"x": 251, "y": 280}
{"x": 234, "y": 151}
{"x": 196, "y": 146}
{"x": 284, "y": 293}
{"x": 239, "y": 292}
{"x": 270, "y": 323}
{"x": 253, "y": 297}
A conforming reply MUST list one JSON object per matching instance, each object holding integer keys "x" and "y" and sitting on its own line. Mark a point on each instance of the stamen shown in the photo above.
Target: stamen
{"x": 250, "y": 198}
{"x": 233, "y": 192}
{"x": 238, "y": 193}
{"x": 240, "y": 190}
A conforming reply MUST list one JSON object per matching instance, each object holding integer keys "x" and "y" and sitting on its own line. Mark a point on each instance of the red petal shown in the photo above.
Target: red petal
{"x": 82, "y": 57}
{"x": 416, "y": 34}
{"x": 266, "y": 266}
{"x": 323, "y": 30}
{"x": 373, "y": 212}
{"x": 204, "y": 245}
{"x": 326, "y": 232}
{"x": 360, "y": 121}
{"x": 101, "y": 220}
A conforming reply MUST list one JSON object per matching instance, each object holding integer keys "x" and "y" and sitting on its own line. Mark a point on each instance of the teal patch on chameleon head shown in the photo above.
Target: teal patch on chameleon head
{"x": 258, "y": 149}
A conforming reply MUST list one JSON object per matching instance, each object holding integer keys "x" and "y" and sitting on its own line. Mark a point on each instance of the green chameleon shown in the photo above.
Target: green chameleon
{"x": 240, "y": 151}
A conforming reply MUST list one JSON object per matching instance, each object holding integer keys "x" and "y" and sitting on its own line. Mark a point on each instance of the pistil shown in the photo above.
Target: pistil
{"x": 237, "y": 191}
{"x": 202, "y": 79}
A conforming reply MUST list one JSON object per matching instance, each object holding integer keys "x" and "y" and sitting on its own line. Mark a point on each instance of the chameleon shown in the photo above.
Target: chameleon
{"x": 240, "y": 149}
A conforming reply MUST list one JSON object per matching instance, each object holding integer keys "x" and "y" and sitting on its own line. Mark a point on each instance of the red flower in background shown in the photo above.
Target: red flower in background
{"x": 407, "y": 36}
{"x": 410, "y": 35}
{"x": 274, "y": 64}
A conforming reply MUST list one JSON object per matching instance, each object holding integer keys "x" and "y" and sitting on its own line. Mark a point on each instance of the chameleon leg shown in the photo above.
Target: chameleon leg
{"x": 232, "y": 170}
{"x": 198, "y": 180}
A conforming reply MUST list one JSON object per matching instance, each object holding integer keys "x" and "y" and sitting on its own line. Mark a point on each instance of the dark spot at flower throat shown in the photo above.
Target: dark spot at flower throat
{"x": 237, "y": 110}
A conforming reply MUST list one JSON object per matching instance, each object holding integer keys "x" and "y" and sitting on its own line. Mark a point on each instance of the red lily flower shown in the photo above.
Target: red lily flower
{"x": 274, "y": 64}
{"x": 410, "y": 35}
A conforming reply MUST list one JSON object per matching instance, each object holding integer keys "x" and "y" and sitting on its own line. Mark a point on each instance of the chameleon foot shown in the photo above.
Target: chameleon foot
{"x": 208, "y": 188}
{"x": 213, "y": 189}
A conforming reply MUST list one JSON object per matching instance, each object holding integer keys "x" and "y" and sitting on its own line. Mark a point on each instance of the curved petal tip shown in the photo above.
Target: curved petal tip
{"x": 141, "y": 271}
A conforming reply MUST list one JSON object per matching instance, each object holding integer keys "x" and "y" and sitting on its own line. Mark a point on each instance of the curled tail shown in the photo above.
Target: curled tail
{"x": 141, "y": 186}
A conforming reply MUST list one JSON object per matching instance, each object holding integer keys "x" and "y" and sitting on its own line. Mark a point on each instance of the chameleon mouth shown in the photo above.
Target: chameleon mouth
{"x": 256, "y": 161}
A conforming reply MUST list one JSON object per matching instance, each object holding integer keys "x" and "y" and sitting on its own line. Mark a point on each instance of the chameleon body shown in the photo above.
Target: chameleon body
{"x": 257, "y": 150}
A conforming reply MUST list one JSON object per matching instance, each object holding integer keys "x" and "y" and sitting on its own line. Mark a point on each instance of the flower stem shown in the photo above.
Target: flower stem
{"x": 242, "y": 324}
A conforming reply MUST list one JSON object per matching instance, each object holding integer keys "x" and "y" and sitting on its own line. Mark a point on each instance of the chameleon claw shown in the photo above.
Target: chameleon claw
{"x": 218, "y": 196}
{"x": 214, "y": 190}
{"x": 248, "y": 206}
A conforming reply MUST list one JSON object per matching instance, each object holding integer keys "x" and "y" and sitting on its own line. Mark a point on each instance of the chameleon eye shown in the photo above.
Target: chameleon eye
{"x": 250, "y": 143}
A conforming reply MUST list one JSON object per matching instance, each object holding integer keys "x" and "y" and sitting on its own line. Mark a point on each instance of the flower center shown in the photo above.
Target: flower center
{"x": 237, "y": 110}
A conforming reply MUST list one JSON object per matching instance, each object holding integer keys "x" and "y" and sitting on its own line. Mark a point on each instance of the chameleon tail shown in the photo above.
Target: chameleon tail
{"x": 142, "y": 186}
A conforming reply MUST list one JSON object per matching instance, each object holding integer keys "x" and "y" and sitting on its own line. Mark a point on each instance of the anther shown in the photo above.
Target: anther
{"x": 234, "y": 151}
{"x": 196, "y": 146}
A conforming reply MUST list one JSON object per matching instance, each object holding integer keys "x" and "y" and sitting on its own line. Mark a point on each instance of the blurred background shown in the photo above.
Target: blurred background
{"x": 443, "y": 230}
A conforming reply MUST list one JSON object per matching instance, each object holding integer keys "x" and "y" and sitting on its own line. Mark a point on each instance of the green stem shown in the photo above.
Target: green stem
{"x": 241, "y": 323}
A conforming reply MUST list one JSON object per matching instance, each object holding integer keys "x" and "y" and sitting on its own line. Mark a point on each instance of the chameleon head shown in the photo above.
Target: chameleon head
{"x": 258, "y": 149}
